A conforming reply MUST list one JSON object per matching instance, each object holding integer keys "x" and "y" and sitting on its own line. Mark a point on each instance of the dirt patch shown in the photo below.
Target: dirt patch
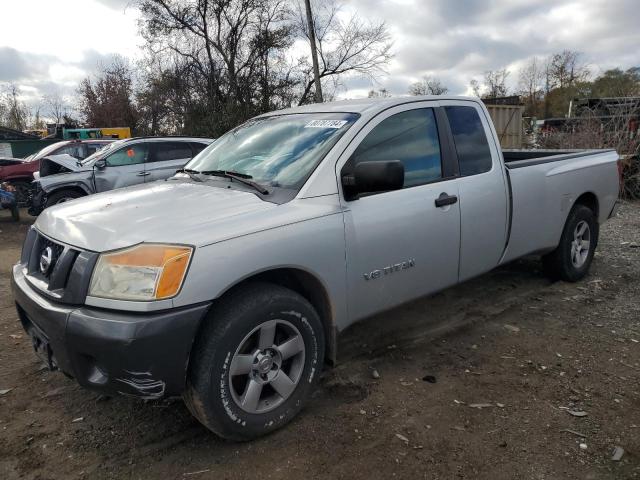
{"x": 510, "y": 354}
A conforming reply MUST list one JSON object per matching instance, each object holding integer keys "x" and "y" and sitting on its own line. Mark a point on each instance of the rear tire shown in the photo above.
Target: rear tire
{"x": 255, "y": 362}
{"x": 62, "y": 196}
{"x": 571, "y": 260}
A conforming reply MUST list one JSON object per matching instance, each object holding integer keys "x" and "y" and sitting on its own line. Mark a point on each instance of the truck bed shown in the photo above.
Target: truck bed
{"x": 525, "y": 158}
{"x": 542, "y": 194}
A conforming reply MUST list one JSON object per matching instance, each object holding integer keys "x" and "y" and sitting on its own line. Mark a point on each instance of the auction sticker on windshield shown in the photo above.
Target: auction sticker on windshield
{"x": 325, "y": 124}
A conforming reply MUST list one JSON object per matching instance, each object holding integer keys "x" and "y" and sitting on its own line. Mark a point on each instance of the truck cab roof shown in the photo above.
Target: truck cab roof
{"x": 366, "y": 105}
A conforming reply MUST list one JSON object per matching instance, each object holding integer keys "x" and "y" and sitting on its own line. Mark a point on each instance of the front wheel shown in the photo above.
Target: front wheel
{"x": 571, "y": 260}
{"x": 61, "y": 196}
{"x": 255, "y": 362}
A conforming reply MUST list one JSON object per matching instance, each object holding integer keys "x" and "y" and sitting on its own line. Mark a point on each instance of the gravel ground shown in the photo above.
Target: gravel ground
{"x": 476, "y": 382}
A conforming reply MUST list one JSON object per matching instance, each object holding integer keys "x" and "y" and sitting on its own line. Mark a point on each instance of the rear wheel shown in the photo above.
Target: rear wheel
{"x": 571, "y": 260}
{"x": 255, "y": 362}
{"x": 62, "y": 196}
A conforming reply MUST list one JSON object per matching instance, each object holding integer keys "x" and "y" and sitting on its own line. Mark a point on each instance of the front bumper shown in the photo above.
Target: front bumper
{"x": 143, "y": 355}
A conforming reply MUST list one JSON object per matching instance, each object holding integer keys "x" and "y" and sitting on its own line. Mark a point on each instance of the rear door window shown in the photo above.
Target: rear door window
{"x": 165, "y": 151}
{"x": 472, "y": 147}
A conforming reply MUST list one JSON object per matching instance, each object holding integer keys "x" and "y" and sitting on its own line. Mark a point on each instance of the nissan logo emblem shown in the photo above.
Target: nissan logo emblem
{"x": 45, "y": 260}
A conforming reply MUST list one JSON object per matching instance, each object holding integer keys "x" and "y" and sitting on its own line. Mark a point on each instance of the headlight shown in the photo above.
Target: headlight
{"x": 144, "y": 272}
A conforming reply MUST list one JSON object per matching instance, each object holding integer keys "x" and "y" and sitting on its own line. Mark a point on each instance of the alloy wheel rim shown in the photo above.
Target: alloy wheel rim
{"x": 267, "y": 366}
{"x": 581, "y": 244}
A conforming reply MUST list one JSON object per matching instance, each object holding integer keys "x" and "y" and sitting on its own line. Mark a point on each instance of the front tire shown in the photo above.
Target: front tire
{"x": 62, "y": 196}
{"x": 255, "y": 362}
{"x": 571, "y": 260}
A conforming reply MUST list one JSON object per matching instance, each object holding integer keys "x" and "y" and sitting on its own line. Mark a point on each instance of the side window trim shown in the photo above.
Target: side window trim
{"x": 151, "y": 152}
{"x": 450, "y": 166}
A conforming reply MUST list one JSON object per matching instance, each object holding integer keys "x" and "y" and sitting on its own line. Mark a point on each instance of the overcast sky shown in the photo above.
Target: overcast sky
{"x": 48, "y": 46}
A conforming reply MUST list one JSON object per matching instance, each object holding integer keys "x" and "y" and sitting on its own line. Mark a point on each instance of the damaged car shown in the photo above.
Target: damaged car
{"x": 20, "y": 173}
{"x": 127, "y": 162}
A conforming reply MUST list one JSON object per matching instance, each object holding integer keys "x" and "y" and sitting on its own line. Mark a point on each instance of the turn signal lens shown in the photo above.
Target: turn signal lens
{"x": 144, "y": 272}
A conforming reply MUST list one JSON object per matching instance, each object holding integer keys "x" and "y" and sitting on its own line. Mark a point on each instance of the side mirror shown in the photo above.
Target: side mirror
{"x": 371, "y": 177}
{"x": 101, "y": 164}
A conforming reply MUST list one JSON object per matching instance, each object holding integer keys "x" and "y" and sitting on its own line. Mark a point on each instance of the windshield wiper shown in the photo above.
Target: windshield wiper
{"x": 191, "y": 174}
{"x": 240, "y": 177}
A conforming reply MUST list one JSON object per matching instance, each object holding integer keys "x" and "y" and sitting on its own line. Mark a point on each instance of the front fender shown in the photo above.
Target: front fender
{"x": 314, "y": 246}
{"x": 82, "y": 180}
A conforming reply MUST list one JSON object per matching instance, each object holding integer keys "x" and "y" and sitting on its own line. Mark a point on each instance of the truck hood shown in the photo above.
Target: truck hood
{"x": 170, "y": 211}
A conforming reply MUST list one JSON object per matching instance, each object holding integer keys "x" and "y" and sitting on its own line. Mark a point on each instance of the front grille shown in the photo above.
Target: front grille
{"x": 56, "y": 249}
{"x": 56, "y": 270}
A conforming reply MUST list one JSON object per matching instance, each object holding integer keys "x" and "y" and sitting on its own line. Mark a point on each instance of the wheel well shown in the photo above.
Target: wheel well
{"x": 312, "y": 290}
{"x": 589, "y": 200}
{"x": 69, "y": 187}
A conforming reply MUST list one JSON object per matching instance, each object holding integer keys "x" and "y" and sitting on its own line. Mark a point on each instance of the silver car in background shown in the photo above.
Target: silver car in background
{"x": 123, "y": 163}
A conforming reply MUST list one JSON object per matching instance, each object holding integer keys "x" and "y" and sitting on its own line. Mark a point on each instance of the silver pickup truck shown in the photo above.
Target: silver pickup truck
{"x": 228, "y": 283}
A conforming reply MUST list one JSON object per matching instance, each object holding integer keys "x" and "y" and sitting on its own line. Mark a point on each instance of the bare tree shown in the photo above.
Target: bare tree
{"x": 567, "y": 68}
{"x": 229, "y": 53}
{"x": 106, "y": 100}
{"x": 496, "y": 83}
{"x": 428, "y": 86}
{"x": 56, "y": 106}
{"x": 350, "y": 46}
{"x": 475, "y": 87}
{"x": 13, "y": 111}
{"x": 531, "y": 84}
{"x": 565, "y": 73}
{"x": 382, "y": 93}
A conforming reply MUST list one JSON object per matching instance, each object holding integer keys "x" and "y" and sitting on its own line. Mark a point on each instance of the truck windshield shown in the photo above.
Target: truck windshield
{"x": 277, "y": 151}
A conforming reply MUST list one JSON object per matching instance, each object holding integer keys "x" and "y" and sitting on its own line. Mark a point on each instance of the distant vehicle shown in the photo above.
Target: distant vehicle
{"x": 116, "y": 132}
{"x": 38, "y": 132}
{"x": 88, "y": 133}
{"x": 81, "y": 133}
{"x": 123, "y": 163}
{"x": 228, "y": 283}
{"x": 20, "y": 174}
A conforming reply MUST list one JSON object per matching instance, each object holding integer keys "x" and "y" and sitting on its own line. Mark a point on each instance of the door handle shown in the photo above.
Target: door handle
{"x": 445, "y": 199}
{"x": 143, "y": 174}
